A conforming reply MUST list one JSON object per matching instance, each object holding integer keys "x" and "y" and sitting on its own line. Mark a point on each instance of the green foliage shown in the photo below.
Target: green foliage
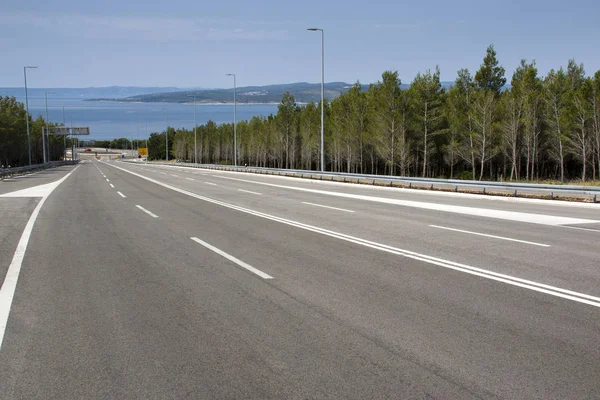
{"x": 490, "y": 75}
{"x": 539, "y": 128}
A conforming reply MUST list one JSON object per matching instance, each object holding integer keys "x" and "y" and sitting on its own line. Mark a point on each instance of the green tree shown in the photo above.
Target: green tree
{"x": 287, "y": 119}
{"x": 490, "y": 75}
{"x": 556, "y": 87}
{"x": 426, "y": 97}
{"x": 390, "y": 125}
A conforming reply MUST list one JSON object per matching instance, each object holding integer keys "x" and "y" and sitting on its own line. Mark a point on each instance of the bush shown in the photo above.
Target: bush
{"x": 466, "y": 176}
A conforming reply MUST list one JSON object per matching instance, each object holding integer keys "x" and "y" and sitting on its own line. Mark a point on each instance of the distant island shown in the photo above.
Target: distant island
{"x": 303, "y": 93}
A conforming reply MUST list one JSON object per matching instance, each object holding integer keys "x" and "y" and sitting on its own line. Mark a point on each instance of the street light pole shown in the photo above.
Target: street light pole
{"x": 44, "y": 131}
{"x": 234, "y": 121}
{"x": 146, "y": 136}
{"x": 322, "y": 95}
{"x": 167, "y": 133}
{"x": 27, "y": 113}
{"x": 195, "y": 125}
{"x": 44, "y": 145}
{"x": 64, "y": 137}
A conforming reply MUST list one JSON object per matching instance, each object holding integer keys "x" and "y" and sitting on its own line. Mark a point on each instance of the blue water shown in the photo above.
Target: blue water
{"x": 109, "y": 119}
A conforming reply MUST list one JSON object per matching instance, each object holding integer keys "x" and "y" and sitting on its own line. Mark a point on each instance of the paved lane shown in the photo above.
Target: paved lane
{"x": 411, "y": 229}
{"x": 115, "y": 300}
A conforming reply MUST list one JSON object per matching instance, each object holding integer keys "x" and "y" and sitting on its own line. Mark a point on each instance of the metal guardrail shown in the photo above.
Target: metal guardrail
{"x": 7, "y": 171}
{"x": 585, "y": 193}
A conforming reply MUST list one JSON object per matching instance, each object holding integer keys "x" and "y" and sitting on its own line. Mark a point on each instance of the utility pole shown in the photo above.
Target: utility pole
{"x": 234, "y": 121}
{"x": 167, "y": 133}
{"x": 64, "y": 137}
{"x": 322, "y": 95}
{"x": 27, "y": 113}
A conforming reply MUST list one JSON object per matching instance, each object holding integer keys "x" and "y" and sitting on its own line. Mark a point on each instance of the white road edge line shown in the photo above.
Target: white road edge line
{"x": 233, "y": 259}
{"x": 495, "y": 276}
{"x": 332, "y": 208}
{"x": 249, "y": 191}
{"x": 581, "y": 229}
{"x": 518, "y": 216}
{"x": 210, "y": 183}
{"x": 146, "y": 211}
{"x": 490, "y": 236}
{"x": 112, "y": 186}
{"x": 7, "y": 291}
{"x": 122, "y": 195}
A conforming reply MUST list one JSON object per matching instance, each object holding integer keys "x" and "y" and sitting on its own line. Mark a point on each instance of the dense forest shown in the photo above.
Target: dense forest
{"x": 481, "y": 128}
{"x": 13, "y": 136}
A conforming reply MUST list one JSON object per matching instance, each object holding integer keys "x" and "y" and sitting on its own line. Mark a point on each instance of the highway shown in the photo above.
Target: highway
{"x": 134, "y": 281}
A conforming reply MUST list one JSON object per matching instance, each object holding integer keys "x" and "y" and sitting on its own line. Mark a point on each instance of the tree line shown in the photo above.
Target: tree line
{"x": 478, "y": 128}
{"x": 13, "y": 136}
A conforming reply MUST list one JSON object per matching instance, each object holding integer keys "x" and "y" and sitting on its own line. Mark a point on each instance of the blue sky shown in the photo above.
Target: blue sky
{"x": 194, "y": 43}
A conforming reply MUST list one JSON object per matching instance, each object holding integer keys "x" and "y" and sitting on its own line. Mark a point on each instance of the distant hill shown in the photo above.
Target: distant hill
{"x": 303, "y": 93}
{"x": 114, "y": 92}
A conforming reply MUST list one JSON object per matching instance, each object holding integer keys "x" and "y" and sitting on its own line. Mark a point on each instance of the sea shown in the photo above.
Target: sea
{"x": 116, "y": 119}
{"x": 110, "y": 119}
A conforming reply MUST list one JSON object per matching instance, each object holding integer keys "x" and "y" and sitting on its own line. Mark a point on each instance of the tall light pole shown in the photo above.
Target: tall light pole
{"x": 27, "y": 109}
{"x": 64, "y": 137}
{"x": 47, "y": 122}
{"x": 167, "y": 133}
{"x": 234, "y": 122}
{"x": 322, "y": 94}
{"x": 195, "y": 125}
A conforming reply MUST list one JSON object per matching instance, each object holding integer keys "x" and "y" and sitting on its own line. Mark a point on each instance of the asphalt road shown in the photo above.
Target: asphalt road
{"x": 157, "y": 282}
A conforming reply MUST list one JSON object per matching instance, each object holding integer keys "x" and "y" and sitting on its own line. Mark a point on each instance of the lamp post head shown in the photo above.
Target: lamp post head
{"x": 29, "y": 66}
{"x": 314, "y": 29}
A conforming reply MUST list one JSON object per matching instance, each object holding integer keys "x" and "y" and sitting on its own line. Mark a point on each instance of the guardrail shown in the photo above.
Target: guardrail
{"x": 7, "y": 171}
{"x": 552, "y": 192}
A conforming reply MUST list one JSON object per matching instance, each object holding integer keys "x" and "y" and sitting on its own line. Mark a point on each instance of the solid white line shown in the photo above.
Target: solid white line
{"x": 249, "y": 191}
{"x": 122, "y": 195}
{"x": 107, "y": 180}
{"x": 490, "y": 236}
{"x": 210, "y": 183}
{"x": 581, "y": 229}
{"x": 112, "y": 186}
{"x": 233, "y": 259}
{"x": 332, "y": 208}
{"x": 146, "y": 211}
{"x": 7, "y": 291}
{"x": 472, "y": 211}
{"x": 190, "y": 179}
{"x": 495, "y": 276}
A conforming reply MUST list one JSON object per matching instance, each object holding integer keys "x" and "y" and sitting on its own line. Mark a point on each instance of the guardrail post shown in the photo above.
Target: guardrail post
{"x": 456, "y": 189}
{"x": 515, "y": 192}
{"x": 391, "y": 182}
{"x": 551, "y": 195}
{"x": 431, "y": 186}
{"x": 594, "y": 198}
{"x": 483, "y": 190}
{"x": 410, "y": 185}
